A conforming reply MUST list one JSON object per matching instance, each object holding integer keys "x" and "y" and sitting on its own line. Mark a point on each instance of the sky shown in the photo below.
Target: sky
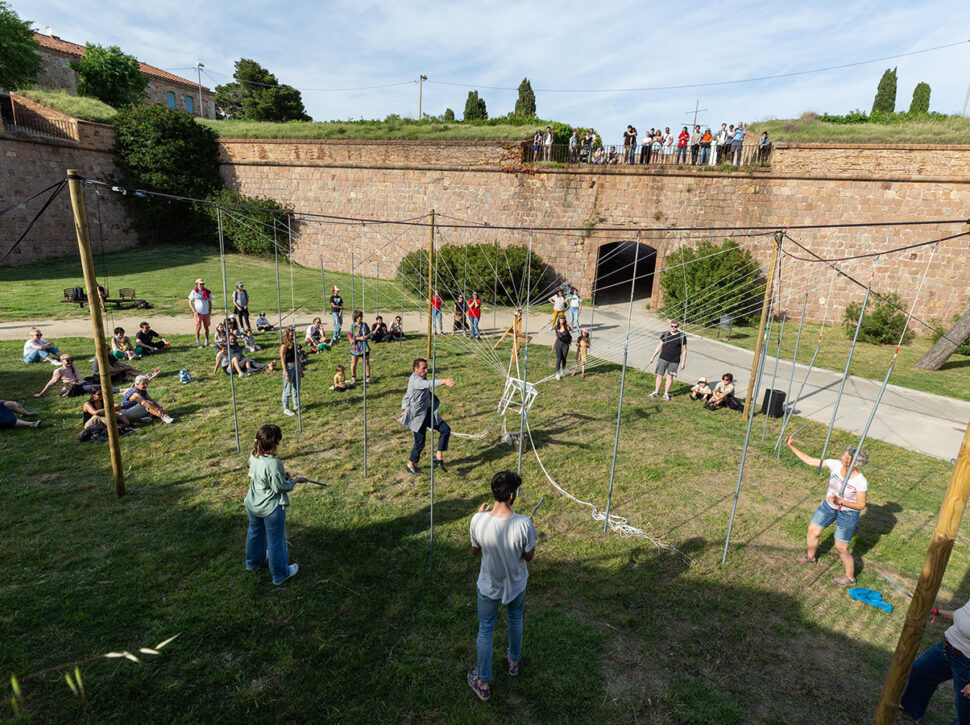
{"x": 576, "y": 47}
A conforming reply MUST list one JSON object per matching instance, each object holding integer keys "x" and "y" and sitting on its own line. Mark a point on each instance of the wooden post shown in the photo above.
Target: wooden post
{"x": 748, "y": 407}
{"x": 97, "y": 323}
{"x": 934, "y": 565}
{"x": 430, "y": 285}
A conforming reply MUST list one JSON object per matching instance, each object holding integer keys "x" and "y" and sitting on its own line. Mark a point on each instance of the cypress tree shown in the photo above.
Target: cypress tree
{"x": 921, "y": 99}
{"x": 475, "y": 107}
{"x": 885, "y": 101}
{"x": 525, "y": 104}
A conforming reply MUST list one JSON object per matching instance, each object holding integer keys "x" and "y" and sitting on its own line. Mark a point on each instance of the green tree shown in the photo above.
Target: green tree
{"x": 449, "y": 115}
{"x": 475, "y": 107}
{"x": 160, "y": 149}
{"x": 525, "y": 104}
{"x": 19, "y": 62}
{"x": 921, "y": 99}
{"x": 885, "y": 101}
{"x": 109, "y": 75}
{"x": 257, "y": 95}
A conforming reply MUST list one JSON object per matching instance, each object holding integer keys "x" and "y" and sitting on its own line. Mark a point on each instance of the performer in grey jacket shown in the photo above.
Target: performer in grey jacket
{"x": 419, "y": 408}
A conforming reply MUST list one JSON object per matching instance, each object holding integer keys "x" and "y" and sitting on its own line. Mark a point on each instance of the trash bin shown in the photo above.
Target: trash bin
{"x": 773, "y": 404}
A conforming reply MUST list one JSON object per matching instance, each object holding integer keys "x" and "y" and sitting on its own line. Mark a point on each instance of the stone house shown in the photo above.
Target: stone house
{"x": 163, "y": 87}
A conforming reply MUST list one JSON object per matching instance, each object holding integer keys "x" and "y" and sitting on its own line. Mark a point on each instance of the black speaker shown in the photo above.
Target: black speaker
{"x": 773, "y": 403}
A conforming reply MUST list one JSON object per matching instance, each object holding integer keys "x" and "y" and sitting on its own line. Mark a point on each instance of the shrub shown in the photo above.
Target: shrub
{"x": 249, "y": 231}
{"x": 884, "y": 321}
{"x": 485, "y": 262}
{"x": 475, "y": 107}
{"x": 19, "y": 61}
{"x": 449, "y": 115}
{"x": 714, "y": 279}
{"x": 111, "y": 76}
{"x": 939, "y": 331}
{"x": 921, "y": 99}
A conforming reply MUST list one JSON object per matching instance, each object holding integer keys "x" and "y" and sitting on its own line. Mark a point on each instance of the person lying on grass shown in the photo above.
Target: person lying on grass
{"x": 137, "y": 404}
{"x": 839, "y": 507}
{"x": 9, "y": 420}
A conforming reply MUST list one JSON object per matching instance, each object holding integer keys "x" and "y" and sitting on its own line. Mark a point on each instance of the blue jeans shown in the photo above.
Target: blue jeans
{"x": 41, "y": 355}
{"x": 444, "y": 435}
{"x": 681, "y": 154}
{"x": 705, "y": 155}
{"x": 266, "y": 543}
{"x": 436, "y": 317}
{"x": 574, "y": 318}
{"x": 474, "y": 324}
{"x": 487, "y": 610}
{"x": 935, "y": 666}
{"x": 337, "y": 321}
{"x": 291, "y": 388}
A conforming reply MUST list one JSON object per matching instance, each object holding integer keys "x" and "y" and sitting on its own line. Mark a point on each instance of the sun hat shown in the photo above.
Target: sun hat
{"x": 199, "y": 281}
{"x": 702, "y": 379}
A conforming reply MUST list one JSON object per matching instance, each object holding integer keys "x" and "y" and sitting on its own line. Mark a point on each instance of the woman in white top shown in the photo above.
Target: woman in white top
{"x": 575, "y": 305}
{"x": 843, "y": 503}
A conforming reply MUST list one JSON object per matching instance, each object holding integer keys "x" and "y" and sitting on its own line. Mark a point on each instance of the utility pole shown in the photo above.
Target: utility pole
{"x": 748, "y": 403}
{"x": 97, "y": 322}
{"x": 421, "y": 79}
{"x": 199, "y": 65}
{"x": 965, "y": 99}
{"x": 697, "y": 109}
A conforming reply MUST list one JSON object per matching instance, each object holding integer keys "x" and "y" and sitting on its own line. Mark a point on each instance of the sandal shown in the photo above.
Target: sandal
{"x": 480, "y": 688}
{"x": 844, "y": 581}
{"x": 806, "y": 559}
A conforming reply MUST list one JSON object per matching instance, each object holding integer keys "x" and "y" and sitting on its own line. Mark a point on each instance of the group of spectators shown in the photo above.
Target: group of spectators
{"x": 466, "y": 314}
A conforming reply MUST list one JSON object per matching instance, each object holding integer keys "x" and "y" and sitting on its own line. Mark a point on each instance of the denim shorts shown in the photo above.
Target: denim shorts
{"x": 845, "y": 520}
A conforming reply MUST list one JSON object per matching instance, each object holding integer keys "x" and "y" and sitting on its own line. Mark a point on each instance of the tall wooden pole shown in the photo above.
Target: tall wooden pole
{"x": 748, "y": 408}
{"x": 934, "y": 565}
{"x": 97, "y": 323}
{"x": 430, "y": 284}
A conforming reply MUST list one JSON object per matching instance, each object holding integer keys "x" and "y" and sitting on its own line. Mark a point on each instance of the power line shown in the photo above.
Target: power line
{"x": 315, "y": 90}
{"x": 709, "y": 84}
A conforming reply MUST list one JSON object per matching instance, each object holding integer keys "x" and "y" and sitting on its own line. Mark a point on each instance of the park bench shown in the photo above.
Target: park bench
{"x": 126, "y": 295}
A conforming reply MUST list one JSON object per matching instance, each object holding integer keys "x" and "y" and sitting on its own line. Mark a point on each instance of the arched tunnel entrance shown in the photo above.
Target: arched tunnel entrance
{"x": 614, "y": 271}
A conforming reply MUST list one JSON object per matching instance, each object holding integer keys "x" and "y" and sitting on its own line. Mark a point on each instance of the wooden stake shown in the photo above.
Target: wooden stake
{"x": 430, "y": 285}
{"x": 934, "y": 565}
{"x": 97, "y": 323}
{"x": 748, "y": 407}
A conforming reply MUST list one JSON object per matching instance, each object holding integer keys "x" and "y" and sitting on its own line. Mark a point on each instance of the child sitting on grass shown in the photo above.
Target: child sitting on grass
{"x": 122, "y": 348}
{"x": 262, "y": 324}
{"x": 249, "y": 341}
{"x": 701, "y": 390}
{"x": 340, "y": 383}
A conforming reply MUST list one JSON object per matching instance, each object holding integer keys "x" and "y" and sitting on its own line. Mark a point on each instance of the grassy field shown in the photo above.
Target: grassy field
{"x": 616, "y": 630}
{"x": 953, "y": 130}
{"x": 166, "y": 275}
{"x": 405, "y": 129}
{"x": 868, "y": 361}
{"x": 89, "y": 109}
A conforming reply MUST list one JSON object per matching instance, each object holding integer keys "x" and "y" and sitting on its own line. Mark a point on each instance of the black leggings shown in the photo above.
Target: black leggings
{"x": 243, "y": 317}
{"x": 562, "y": 352}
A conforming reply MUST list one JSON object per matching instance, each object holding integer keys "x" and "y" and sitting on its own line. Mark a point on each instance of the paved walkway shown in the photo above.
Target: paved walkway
{"x": 922, "y": 422}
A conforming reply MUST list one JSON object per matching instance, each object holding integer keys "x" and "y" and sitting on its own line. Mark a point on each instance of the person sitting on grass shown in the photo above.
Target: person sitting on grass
{"x": 93, "y": 412}
{"x": 239, "y": 358}
{"x": 724, "y": 389}
{"x": 397, "y": 329}
{"x": 263, "y": 324}
{"x": 700, "y": 390}
{"x": 37, "y": 349}
{"x": 221, "y": 335}
{"x": 119, "y": 371}
{"x": 9, "y": 420}
{"x": 121, "y": 346}
{"x": 340, "y": 383}
{"x": 315, "y": 336}
{"x": 840, "y": 507}
{"x": 146, "y": 338}
{"x": 379, "y": 331}
{"x": 249, "y": 342}
{"x": 266, "y": 504}
{"x": 137, "y": 404}
{"x": 68, "y": 377}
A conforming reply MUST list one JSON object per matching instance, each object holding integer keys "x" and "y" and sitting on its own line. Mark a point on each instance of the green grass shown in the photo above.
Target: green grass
{"x": 953, "y": 130}
{"x": 165, "y": 275}
{"x": 868, "y": 361}
{"x": 404, "y": 129}
{"x": 89, "y": 109}
{"x": 616, "y": 631}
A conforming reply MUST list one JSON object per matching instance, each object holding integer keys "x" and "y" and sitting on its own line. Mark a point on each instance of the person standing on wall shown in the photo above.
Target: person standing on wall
{"x": 240, "y": 301}
{"x": 200, "y": 302}
{"x": 672, "y": 349}
{"x": 506, "y": 542}
{"x": 419, "y": 411}
{"x": 337, "y": 311}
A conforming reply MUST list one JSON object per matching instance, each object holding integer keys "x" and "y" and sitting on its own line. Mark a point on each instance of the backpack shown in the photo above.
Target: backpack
{"x": 77, "y": 294}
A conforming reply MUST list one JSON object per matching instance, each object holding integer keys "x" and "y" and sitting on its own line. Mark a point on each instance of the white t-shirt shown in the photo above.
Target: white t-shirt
{"x": 559, "y": 303}
{"x": 958, "y": 634}
{"x": 311, "y": 329}
{"x": 199, "y": 303}
{"x": 856, "y": 483}
{"x": 574, "y": 300}
{"x": 29, "y": 345}
{"x": 503, "y": 542}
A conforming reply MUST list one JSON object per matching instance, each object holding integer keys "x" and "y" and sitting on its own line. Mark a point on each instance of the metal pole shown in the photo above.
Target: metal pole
{"x": 761, "y": 324}
{"x": 97, "y": 323}
{"x": 378, "y": 303}
{"x": 279, "y": 304}
{"x": 619, "y": 408}
{"x": 431, "y": 281}
{"x": 225, "y": 304}
{"x": 198, "y": 70}
{"x": 791, "y": 378}
{"x": 363, "y": 302}
{"x": 323, "y": 282}
{"x": 296, "y": 353}
{"x": 495, "y": 289}
{"x": 845, "y": 375}
{"x": 934, "y": 566}
{"x": 525, "y": 347}
{"x": 774, "y": 375}
{"x": 402, "y": 293}
{"x": 353, "y": 291}
{"x": 421, "y": 79}
{"x": 366, "y": 343}
{"x": 433, "y": 342}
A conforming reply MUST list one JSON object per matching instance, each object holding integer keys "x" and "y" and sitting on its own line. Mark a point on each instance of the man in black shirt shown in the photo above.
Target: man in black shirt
{"x": 337, "y": 310}
{"x": 672, "y": 349}
{"x": 149, "y": 340}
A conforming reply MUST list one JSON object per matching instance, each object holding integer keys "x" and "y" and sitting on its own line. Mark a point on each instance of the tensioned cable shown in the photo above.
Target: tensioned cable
{"x": 29, "y": 198}
{"x": 302, "y": 90}
{"x": 878, "y": 254}
{"x": 38, "y": 215}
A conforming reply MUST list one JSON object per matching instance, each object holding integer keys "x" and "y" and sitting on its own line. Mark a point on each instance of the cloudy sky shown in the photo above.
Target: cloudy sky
{"x": 585, "y": 60}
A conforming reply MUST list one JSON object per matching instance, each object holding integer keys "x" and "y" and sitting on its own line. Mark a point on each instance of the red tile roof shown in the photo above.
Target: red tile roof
{"x": 52, "y": 42}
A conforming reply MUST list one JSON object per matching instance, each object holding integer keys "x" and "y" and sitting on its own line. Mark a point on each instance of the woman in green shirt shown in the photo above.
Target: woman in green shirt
{"x": 266, "y": 505}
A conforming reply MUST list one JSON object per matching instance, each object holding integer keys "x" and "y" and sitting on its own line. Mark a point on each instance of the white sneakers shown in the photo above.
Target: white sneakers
{"x": 293, "y": 569}
{"x": 287, "y": 411}
{"x": 168, "y": 419}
